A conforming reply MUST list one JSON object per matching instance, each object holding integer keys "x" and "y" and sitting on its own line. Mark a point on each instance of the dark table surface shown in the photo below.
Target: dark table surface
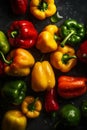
{"x": 76, "y": 9}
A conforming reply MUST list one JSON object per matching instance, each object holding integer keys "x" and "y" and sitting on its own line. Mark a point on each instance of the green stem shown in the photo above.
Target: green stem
{"x": 4, "y": 59}
{"x": 14, "y": 33}
{"x": 66, "y": 38}
{"x": 43, "y": 6}
{"x": 67, "y": 57}
{"x": 31, "y": 106}
{"x": 56, "y": 37}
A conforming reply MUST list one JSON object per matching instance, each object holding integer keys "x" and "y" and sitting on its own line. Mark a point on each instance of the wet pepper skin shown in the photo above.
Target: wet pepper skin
{"x": 64, "y": 58}
{"x": 42, "y": 76}
{"x": 42, "y": 9}
{"x": 14, "y": 120}
{"x": 22, "y": 33}
{"x": 19, "y": 7}
{"x": 71, "y": 87}
{"x": 47, "y": 40}
{"x": 14, "y": 91}
{"x": 22, "y": 61}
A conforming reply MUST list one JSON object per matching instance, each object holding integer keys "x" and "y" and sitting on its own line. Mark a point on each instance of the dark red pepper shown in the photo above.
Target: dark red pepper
{"x": 22, "y": 33}
{"x": 19, "y": 7}
{"x": 1, "y": 68}
{"x": 82, "y": 52}
{"x": 51, "y": 103}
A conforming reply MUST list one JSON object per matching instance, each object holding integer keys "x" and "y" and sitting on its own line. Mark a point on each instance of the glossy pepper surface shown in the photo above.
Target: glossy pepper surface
{"x": 51, "y": 103}
{"x": 19, "y": 7}
{"x": 42, "y": 9}
{"x": 14, "y": 120}
{"x": 71, "y": 87}
{"x": 82, "y": 52}
{"x": 14, "y": 91}
{"x": 48, "y": 39}
{"x": 70, "y": 115}
{"x": 42, "y": 76}
{"x": 64, "y": 58}
{"x": 72, "y": 31}
{"x": 22, "y": 33}
{"x": 4, "y": 43}
{"x": 18, "y": 63}
{"x": 31, "y": 107}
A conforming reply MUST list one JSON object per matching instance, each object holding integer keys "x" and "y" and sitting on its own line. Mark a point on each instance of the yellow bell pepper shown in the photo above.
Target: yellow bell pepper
{"x": 22, "y": 61}
{"x": 48, "y": 39}
{"x": 14, "y": 120}
{"x": 31, "y": 107}
{"x": 63, "y": 58}
{"x": 42, "y": 9}
{"x": 42, "y": 76}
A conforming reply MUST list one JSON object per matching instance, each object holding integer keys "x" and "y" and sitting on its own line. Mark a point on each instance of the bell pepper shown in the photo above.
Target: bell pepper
{"x": 48, "y": 39}
{"x": 19, "y": 7}
{"x": 4, "y": 43}
{"x": 14, "y": 120}
{"x": 14, "y": 91}
{"x": 42, "y": 9}
{"x": 51, "y": 103}
{"x": 69, "y": 115}
{"x": 82, "y": 52}
{"x": 71, "y": 87}
{"x": 18, "y": 62}
{"x": 22, "y": 33}
{"x": 42, "y": 76}
{"x": 64, "y": 58}
{"x": 72, "y": 32}
{"x": 31, "y": 107}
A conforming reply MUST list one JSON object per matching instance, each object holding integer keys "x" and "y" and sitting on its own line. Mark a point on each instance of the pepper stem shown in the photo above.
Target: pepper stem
{"x": 67, "y": 57}
{"x": 56, "y": 37}
{"x": 43, "y": 6}
{"x": 4, "y": 59}
{"x": 31, "y": 106}
{"x": 66, "y": 38}
{"x": 14, "y": 34}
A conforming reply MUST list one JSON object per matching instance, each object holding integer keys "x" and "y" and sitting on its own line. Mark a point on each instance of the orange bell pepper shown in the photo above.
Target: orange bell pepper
{"x": 19, "y": 61}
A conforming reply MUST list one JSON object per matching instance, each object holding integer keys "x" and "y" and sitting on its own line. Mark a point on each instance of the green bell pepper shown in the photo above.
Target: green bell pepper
{"x": 14, "y": 91}
{"x": 4, "y": 44}
{"x": 70, "y": 115}
{"x": 72, "y": 32}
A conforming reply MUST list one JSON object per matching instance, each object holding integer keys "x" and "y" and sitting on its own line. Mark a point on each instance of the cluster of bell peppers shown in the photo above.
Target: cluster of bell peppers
{"x": 22, "y": 35}
{"x": 40, "y": 9}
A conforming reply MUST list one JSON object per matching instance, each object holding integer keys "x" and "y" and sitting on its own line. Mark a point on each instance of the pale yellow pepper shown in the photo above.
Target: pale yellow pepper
{"x": 42, "y": 76}
{"x": 48, "y": 39}
{"x": 42, "y": 9}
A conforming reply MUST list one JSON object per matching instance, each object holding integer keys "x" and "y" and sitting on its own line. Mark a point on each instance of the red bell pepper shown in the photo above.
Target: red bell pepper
{"x": 82, "y": 52}
{"x": 22, "y": 33}
{"x": 19, "y": 7}
{"x": 71, "y": 87}
{"x": 51, "y": 103}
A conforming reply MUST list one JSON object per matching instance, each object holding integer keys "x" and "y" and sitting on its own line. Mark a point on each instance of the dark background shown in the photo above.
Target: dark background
{"x": 76, "y": 9}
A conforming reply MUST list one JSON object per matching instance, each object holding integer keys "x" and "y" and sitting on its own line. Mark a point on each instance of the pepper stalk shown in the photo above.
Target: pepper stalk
{"x": 14, "y": 33}
{"x": 67, "y": 57}
{"x": 31, "y": 106}
{"x": 43, "y": 6}
{"x": 66, "y": 38}
{"x": 4, "y": 59}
